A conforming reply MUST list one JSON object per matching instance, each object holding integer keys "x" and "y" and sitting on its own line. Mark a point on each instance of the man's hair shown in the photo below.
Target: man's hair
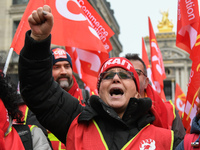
{"x": 10, "y": 97}
{"x": 130, "y": 56}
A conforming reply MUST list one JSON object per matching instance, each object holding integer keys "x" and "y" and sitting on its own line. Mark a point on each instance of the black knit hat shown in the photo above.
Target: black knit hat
{"x": 60, "y": 54}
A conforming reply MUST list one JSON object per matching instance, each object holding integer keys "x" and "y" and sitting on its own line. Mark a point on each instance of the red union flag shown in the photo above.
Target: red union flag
{"x": 180, "y": 100}
{"x": 18, "y": 40}
{"x": 192, "y": 98}
{"x": 146, "y": 61}
{"x": 158, "y": 70}
{"x": 71, "y": 27}
{"x": 86, "y": 64}
{"x": 100, "y": 26}
{"x": 187, "y": 24}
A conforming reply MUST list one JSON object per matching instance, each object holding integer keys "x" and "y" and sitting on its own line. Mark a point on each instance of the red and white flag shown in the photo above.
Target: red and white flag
{"x": 87, "y": 64}
{"x": 100, "y": 26}
{"x": 71, "y": 26}
{"x": 158, "y": 69}
{"x": 180, "y": 100}
{"x": 187, "y": 24}
{"x": 192, "y": 98}
{"x": 146, "y": 62}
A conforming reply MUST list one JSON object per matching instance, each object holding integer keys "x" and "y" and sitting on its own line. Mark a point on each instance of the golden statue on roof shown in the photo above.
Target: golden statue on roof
{"x": 165, "y": 25}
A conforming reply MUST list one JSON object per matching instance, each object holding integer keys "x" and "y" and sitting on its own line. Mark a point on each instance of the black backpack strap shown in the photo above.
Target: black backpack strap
{"x": 25, "y": 135}
{"x": 86, "y": 96}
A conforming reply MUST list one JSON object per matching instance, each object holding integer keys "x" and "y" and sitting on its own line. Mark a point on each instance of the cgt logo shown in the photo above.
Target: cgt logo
{"x": 63, "y": 10}
{"x": 148, "y": 144}
{"x": 180, "y": 102}
{"x": 59, "y": 53}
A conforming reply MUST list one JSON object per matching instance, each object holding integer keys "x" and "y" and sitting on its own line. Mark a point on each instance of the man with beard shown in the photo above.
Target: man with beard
{"x": 62, "y": 68}
{"x": 63, "y": 74}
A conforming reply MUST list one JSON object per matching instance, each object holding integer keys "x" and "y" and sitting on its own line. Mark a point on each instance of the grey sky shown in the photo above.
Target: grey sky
{"x": 132, "y": 17}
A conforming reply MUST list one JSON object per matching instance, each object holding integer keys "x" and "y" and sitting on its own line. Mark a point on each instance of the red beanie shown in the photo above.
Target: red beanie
{"x": 118, "y": 62}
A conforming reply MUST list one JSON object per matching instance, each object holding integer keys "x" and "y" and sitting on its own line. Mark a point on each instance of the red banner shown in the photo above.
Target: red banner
{"x": 180, "y": 100}
{"x": 194, "y": 83}
{"x": 86, "y": 64}
{"x": 146, "y": 61}
{"x": 158, "y": 70}
{"x": 187, "y": 24}
{"x": 100, "y": 26}
{"x": 71, "y": 27}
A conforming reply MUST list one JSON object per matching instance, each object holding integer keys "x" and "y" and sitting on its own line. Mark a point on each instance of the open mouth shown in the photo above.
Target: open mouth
{"x": 116, "y": 91}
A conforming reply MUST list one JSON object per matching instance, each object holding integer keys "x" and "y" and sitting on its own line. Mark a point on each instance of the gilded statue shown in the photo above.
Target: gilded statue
{"x": 165, "y": 25}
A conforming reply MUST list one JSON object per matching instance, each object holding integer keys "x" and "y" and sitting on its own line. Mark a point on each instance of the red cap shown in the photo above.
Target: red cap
{"x": 118, "y": 62}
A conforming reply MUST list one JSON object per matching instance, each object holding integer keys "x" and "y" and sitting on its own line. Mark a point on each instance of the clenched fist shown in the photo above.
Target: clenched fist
{"x": 41, "y": 23}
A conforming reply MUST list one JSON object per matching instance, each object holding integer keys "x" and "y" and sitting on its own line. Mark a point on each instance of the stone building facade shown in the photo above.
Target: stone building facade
{"x": 11, "y": 12}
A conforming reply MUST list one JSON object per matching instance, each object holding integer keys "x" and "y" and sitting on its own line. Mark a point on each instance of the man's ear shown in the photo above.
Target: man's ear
{"x": 137, "y": 95}
{"x": 146, "y": 82}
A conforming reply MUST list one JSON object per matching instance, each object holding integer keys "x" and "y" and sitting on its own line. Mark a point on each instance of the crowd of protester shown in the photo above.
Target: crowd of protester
{"x": 126, "y": 114}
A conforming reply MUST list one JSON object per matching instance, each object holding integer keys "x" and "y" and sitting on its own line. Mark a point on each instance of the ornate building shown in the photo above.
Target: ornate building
{"x": 11, "y": 11}
{"x": 176, "y": 61}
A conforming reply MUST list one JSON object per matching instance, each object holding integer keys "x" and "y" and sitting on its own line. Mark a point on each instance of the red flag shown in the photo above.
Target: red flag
{"x": 158, "y": 70}
{"x": 18, "y": 40}
{"x": 187, "y": 24}
{"x": 194, "y": 83}
{"x": 71, "y": 28}
{"x": 86, "y": 64}
{"x": 180, "y": 100}
{"x": 100, "y": 26}
{"x": 146, "y": 61}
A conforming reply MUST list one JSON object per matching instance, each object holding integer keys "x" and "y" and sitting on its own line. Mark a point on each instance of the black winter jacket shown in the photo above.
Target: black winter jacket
{"x": 56, "y": 109}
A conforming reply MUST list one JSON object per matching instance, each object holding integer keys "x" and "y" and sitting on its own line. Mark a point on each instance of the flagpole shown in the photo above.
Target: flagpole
{"x": 7, "y": 61}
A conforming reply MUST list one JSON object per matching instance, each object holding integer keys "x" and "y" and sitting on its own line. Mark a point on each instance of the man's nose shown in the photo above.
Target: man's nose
{"x": 63, "y": 70}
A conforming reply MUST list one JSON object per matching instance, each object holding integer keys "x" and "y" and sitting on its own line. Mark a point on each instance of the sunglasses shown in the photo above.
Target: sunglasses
{"x": 121, "y": 75}
{"x": 139, "y": 72}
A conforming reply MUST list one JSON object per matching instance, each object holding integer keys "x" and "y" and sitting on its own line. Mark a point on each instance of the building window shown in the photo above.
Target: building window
{"x": 15, "y": 57}
{"x": 15, "y": 2}
{"x": 168, "y": 90}
{"x": 15, "y": 25}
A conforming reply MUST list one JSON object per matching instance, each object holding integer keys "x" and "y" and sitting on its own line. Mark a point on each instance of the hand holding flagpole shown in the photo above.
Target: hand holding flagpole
{"x": 41, "y": 23}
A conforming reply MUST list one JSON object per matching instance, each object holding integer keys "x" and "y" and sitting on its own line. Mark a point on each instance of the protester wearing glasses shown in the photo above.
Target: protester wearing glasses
{"x": 165, "y": 110}
{"x": 116, "y": 119}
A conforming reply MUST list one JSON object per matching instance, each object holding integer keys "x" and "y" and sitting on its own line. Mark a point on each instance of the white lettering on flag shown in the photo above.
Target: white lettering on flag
{"x": 61, "y": 6}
